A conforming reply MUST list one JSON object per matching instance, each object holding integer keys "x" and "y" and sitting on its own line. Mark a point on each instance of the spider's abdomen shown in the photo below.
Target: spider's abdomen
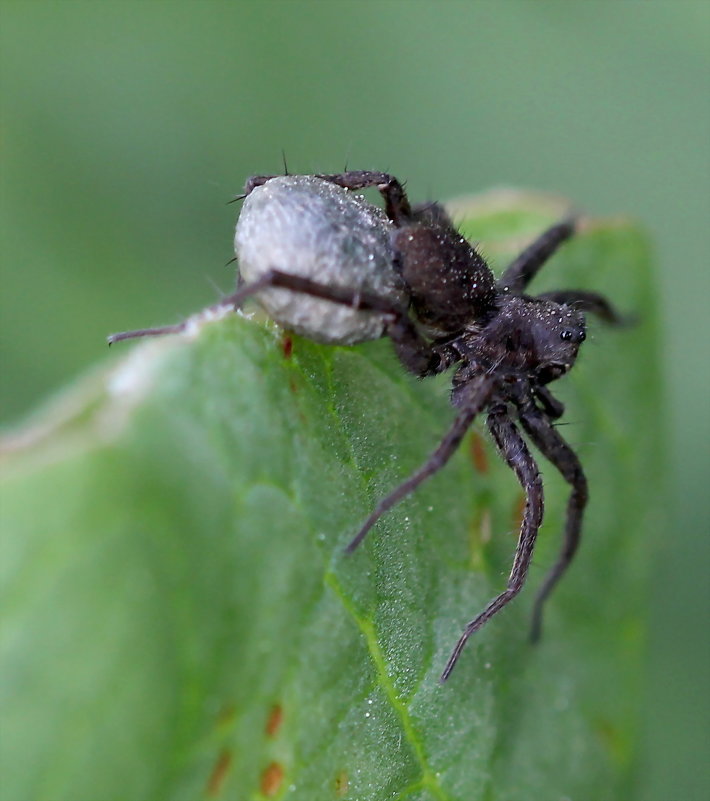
{"x": 305, "y": 226}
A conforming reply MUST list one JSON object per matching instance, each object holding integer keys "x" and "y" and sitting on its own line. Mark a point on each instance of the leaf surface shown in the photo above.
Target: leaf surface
{"x": 179, "y": 619}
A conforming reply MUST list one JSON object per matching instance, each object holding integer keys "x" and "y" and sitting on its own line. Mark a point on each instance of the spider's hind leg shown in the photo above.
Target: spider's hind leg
{"x": 397, "y": 206}
{"x": 365, "y": 301}
{"x": 232, "y": 301}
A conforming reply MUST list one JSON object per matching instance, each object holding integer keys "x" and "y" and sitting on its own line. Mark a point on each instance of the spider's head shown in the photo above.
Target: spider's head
{"x": 535, "y": 336}
{"x": 558, "y": 331}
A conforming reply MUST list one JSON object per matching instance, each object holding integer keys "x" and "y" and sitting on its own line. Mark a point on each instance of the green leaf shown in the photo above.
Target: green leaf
{"x": 179, "y": 619}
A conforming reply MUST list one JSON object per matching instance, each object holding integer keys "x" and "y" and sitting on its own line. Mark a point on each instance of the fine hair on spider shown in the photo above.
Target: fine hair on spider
{"x": 328, "y": 265}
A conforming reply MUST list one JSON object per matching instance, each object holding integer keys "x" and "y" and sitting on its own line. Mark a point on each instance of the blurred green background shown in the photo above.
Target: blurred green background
{"x": 126, "y": 127}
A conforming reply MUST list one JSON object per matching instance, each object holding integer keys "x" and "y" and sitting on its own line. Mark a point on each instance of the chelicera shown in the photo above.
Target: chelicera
{"x": 442, "y": 308}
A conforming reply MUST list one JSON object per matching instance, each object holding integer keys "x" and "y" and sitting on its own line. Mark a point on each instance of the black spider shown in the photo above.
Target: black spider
{"x": 506, "y": 345}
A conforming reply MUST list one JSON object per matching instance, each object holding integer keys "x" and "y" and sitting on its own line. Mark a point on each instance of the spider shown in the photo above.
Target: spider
{"x": 449, "y": 311}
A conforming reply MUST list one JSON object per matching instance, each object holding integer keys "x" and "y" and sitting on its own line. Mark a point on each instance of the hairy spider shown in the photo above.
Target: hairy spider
{"x": 442, "y": 307}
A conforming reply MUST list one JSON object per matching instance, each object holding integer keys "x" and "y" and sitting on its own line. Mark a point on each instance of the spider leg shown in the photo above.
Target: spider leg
{"x": 397, "y": 205}
{"x": 553, "y": 408}
{"x": 232, "y": 301}
{"x": 554, "y": 448}
{"x": 178, "y": 328}
{"x": 527, "y": 265}
{"x": 275, "y": 278}
{"x": 588, "y": 302}
{"x": 515, "y": 452}
{"x": 477, "y": 398}
{"x": 413, "y": 350}
{"x": 146, "y": 332}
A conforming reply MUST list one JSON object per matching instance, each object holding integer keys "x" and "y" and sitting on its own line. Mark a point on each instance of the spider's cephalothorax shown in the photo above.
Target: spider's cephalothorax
{"x": 435, "y": 297}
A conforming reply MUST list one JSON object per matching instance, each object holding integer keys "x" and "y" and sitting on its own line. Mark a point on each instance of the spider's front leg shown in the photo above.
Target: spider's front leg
{"x": 591, "y": 302}
{"x": 556, "y": 450}
{"x": 553, "y": 408}
{"x": 477, "y": 395}
{"x": 527, "y": 265}
{"x": 513, "y": 449}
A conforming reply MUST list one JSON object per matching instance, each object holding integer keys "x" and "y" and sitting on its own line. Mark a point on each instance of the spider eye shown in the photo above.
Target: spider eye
{"x": 568, "y": 335}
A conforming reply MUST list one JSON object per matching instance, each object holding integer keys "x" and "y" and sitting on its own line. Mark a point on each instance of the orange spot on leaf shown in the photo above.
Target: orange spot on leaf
{"x": 274, "y": 721}
{"x": 478, "y": 452}
{"x": 215, "y": 783}
{"x": 341, "y": 784}
{"x": 271, "y": 779}
{"x": 287, "y": 346}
